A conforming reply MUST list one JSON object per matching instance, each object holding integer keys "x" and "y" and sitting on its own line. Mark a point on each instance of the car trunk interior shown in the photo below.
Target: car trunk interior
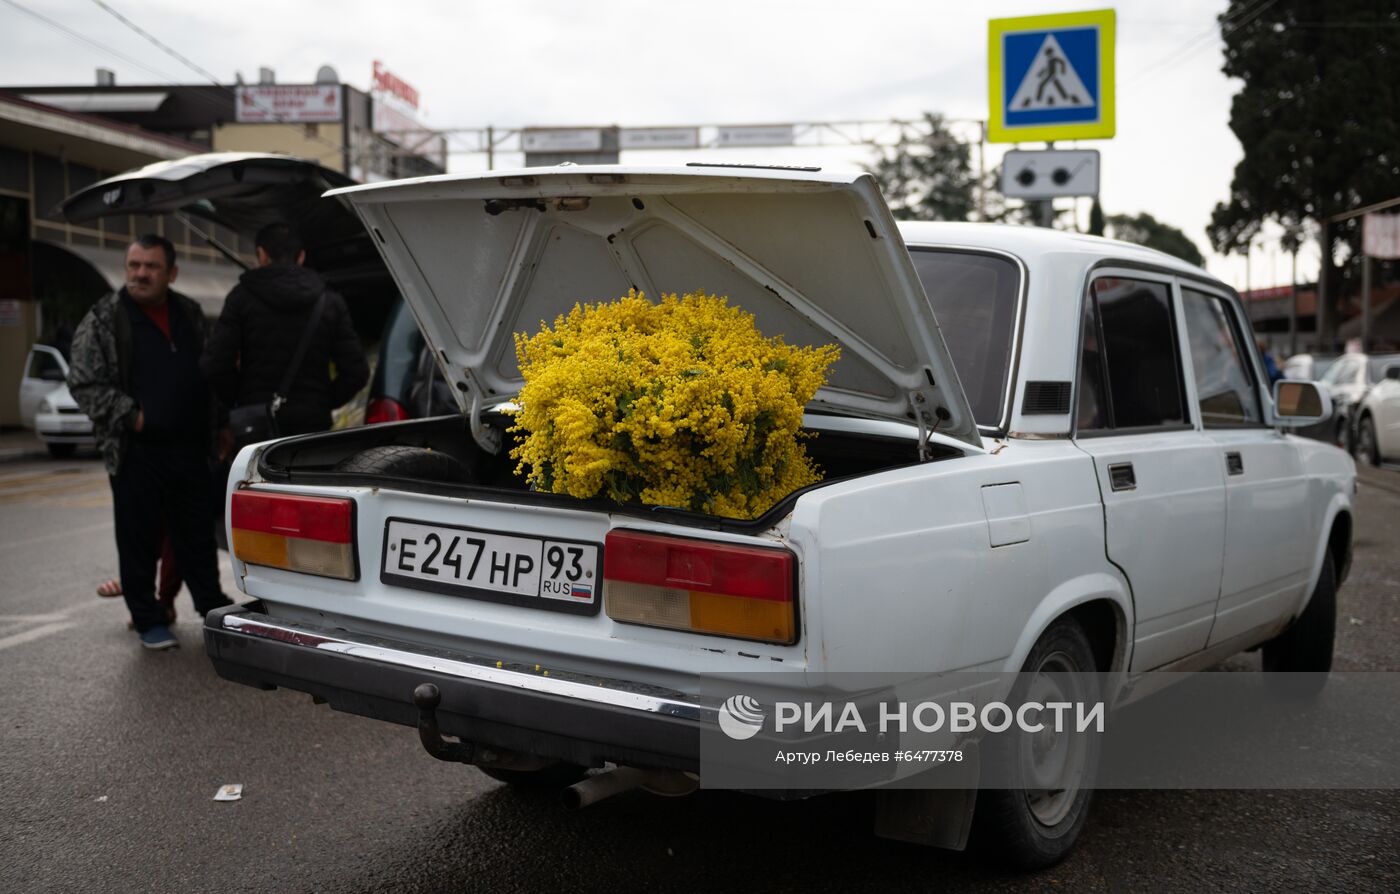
{"x": 313, "y": 459}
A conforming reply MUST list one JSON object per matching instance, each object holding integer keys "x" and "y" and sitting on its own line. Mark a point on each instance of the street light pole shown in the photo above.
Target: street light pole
{"x": 1293, "y": 306}
{"x": 1248, "y": 298}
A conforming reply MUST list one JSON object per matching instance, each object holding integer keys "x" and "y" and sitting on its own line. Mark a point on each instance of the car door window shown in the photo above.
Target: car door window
{"x": 1225, "y": 386}
{"x": 1129, "y": 375}
{"x": 44, "y": 365}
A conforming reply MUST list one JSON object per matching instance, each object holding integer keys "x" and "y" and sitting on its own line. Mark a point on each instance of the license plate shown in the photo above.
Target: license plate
{"x": 549, "y": 573}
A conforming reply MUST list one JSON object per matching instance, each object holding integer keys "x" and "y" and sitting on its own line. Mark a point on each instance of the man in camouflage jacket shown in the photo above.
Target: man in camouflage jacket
{"x": 135, "y": 373}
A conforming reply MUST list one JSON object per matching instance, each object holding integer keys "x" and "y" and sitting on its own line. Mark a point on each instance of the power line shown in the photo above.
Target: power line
{"x": 85, "y": 39}
{"x": 1202, "y": 40}
{"x": 169, "y": 51}
{"x": 156, "y": 41}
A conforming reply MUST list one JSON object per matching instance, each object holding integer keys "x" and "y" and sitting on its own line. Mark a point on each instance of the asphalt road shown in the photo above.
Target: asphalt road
{"x": 111, "y": 756}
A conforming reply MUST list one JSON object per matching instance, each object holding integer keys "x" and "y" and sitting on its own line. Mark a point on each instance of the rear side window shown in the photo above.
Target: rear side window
{"x": 974, "y": 301}
{"x": 1224, "y": 384}
{"x": 1129, "y": 375}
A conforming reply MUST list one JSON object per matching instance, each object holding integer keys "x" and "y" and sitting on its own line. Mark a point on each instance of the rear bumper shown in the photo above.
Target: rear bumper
{"x": 582, "y": 719}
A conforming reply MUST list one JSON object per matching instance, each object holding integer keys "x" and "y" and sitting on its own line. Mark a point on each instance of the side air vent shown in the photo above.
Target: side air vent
{"x": 1046, "y": 399}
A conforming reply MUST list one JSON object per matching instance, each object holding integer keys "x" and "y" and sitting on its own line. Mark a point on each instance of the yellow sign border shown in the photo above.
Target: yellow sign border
{"x": 997, "y": 29}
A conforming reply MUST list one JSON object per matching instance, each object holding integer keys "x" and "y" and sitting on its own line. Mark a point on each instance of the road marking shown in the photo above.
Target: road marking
{"x": 56, "y": 622}
{"x": 41, "y": 492}
{"x": 28, "y": 636}
{"x": 75, "y": 532}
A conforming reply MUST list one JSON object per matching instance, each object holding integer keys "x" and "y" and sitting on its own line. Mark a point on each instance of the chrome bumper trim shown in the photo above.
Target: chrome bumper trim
{"x": 596, "y": 690}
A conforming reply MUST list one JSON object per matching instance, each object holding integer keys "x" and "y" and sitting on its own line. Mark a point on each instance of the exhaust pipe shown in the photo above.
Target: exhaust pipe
{"x": 670, "y": 783}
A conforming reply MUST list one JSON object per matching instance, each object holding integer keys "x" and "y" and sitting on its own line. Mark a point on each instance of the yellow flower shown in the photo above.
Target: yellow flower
{"x": 682, "y": 403}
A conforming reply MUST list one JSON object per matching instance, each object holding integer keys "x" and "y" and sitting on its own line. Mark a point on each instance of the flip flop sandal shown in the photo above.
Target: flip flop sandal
{"x": 109, "y": 588}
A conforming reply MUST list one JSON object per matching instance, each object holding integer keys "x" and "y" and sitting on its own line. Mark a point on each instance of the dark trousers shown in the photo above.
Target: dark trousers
{"x": 173, "y": 484}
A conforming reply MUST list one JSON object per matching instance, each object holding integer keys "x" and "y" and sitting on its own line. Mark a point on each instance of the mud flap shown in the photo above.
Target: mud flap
{"x": 935, "y": 817}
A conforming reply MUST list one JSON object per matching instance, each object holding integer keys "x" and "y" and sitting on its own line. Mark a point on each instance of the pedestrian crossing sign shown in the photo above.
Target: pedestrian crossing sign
{"x": 1051, "y": 77}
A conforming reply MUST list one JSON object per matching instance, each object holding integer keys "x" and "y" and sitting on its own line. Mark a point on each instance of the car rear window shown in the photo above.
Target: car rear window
{"x": 974, "y": 299}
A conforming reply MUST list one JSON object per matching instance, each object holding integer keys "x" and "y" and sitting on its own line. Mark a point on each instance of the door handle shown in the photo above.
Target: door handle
{"x": 1234, "y": 463}
{"x": 1122, "y": 477}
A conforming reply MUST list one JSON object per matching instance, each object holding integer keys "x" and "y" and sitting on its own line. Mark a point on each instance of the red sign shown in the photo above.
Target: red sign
{"x": 388, "y": 82}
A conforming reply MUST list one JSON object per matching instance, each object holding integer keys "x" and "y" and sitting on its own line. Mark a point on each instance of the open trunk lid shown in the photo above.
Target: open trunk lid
{"x": 816, "y": 257}
{"x": 244, "y": 191}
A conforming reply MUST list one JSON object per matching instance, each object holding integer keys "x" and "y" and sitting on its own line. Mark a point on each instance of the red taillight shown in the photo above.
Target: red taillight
{"x": 313, "y": 535}
{"x": 711, "y": 567}
{"x": 328, "y": 519}
{"x": 700, "y": 585}
{"x": 384, "y": 409}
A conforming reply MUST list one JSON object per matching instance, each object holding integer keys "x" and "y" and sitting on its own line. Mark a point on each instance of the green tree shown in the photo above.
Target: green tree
{"x": 1144, "y": 229}
{"x": 1096, "y": 221}
{"x": 1318, "y": 117}
{"x": 928, "y": 177}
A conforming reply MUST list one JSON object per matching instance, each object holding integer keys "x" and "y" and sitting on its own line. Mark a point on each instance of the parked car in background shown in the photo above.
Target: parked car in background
{"x": 1377, "y": 430}
{"x": 46, "y": 406}
{"x": 1307, "y": 367}
{"x": 1347, "y": 380}
{"x": 1046, "y": 453}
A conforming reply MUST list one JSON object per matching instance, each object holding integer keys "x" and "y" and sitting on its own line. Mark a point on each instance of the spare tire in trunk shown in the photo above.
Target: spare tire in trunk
{"x": 406, "y": 462}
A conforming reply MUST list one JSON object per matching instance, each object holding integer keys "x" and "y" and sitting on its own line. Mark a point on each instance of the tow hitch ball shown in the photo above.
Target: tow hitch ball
{"x": 426, "y": 698}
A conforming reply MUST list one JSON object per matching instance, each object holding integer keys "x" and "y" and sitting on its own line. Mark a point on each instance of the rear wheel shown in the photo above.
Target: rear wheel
{"x": 62, "y": 451}
{"x": 558, "y": 775}
{"x": 1035, "y": 823}
{"x": 1366, "y": 443}
{"x": 1296, "y": 661}
{"x": 406, "y": 462}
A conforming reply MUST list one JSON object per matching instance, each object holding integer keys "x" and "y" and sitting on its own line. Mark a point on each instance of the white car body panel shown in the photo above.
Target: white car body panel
{"x": 1382, "y": 406}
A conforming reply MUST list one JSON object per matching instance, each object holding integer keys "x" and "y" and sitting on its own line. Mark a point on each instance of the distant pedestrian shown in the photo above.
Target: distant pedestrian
{"x": 135, "y": 372}
{"x": 1270, "y": 365}
{"x": 275, "y": 309}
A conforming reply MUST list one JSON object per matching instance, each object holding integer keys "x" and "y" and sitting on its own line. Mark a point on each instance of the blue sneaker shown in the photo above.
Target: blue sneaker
{"x": 159, "y": 637}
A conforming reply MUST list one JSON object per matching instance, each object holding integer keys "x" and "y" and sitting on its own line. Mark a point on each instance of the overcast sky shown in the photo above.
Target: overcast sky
{"x": 511, "y": 63}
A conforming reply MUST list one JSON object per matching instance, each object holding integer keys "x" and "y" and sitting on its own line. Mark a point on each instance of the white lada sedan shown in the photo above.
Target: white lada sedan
{"x": 1044, "y": 453}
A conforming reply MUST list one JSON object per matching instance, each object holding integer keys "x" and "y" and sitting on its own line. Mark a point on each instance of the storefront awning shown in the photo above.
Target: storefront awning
{"x": 100, "y": 103}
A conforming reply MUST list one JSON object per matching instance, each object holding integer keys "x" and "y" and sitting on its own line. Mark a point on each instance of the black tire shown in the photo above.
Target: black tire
{"x": 62, "y": 451}
{"x": 1010, "y": 825}
{"x": 1296, "y": 661}
{"x": 1367, "y": 446}
{"x": 560, "y": 775}
{"x": 406, "y": 462}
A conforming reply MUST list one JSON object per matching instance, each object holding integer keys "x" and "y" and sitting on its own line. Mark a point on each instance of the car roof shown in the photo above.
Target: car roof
{"x": 1031, "y": 244}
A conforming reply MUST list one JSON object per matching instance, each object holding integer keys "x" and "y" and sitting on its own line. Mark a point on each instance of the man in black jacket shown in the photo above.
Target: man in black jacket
{"x": 257, "y": 334}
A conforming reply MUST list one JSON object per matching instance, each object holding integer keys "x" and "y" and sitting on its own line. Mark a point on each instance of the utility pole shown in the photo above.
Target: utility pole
{"x": 1365, "y": 294}
{"x": 1324, "y": 261}
{"x": 1293, "y": 306}
{"x": 1248, "y": 298}
{"x": 982, "y": 172}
